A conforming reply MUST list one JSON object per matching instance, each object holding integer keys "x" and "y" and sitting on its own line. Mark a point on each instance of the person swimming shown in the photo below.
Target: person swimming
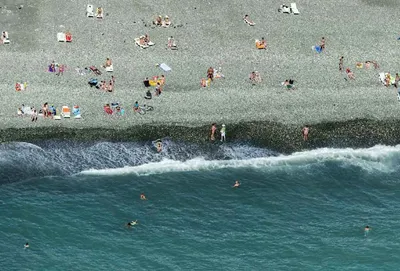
{"x": 237, "y": 184}
{"x": 132, "y": 223}
{"x": 367, "y": 229}
{"x": 26, "y": 245}
{"x": 143, "y": 197}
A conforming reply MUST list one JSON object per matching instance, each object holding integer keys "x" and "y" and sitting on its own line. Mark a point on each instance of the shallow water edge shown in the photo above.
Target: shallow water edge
{"x": 359, "y": 133}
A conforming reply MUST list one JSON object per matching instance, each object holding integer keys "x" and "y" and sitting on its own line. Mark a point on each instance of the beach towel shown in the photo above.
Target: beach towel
{"x": 6, "y": 40}
{"x": 61, "y": 37}
{"x": 65, "y": 112}
{"x": 110, "y": 68}
{"x": 317, "y": 48}
{"x": 164, "y": 67}
{"x": 293, "y": 9}
{"x": 89, "y": 11}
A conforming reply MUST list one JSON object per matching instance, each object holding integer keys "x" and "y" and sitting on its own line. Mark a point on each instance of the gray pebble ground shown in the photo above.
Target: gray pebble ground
{"x": 208, "y": 33}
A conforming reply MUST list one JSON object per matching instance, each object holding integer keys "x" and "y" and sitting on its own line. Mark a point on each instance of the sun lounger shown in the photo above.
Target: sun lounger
{"x": 65, "y": 112}
{"x": 57, "y": 116}
{"x": 76, "y": 111}
{"x": 137, "y": 41}
{"x": 61, "y": 37}
{"x": 110, "y": 68}
{"x": 101, "y": 14}
{"x": 284, "y": 9}
{"x": 89, "y": 11}
{"x": 293, "y": 9}
{"x": 6, "y": 40}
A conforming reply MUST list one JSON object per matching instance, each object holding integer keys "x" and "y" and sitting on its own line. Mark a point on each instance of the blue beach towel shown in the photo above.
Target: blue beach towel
{"x": 318, "y": 49}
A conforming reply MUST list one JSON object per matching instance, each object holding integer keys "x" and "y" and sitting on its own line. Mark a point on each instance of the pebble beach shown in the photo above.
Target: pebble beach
{"x": 207, "y": 34}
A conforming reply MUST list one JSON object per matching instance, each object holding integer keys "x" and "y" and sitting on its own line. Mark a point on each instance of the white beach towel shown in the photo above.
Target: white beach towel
{"x": 89, "y": 11}
{"x": 165, "y": 67}
{"x": 293, "y": 8}
{"x": 6, "y": 40}
{"x": 61, "y": 37}
{"x": 110, "y": 68}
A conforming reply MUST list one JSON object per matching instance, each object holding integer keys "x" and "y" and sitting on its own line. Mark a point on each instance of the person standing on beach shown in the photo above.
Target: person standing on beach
{"x": 341, "y": 64}
{"x": 223, "y": 133}
{"x": 322, "y": 44}
{"x": 34, "y": 115}
{"x": 305, "y": 133}
{"x": 213, "y": 129}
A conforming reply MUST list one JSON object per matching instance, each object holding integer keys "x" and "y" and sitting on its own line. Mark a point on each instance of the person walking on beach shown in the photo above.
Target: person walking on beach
{"x": 341, "y": 64}
{"x": 305, "y": 133}
{"x": 213, "y": 129}
{"x": 223, "y": 133}
{"x": 322, "y": 44}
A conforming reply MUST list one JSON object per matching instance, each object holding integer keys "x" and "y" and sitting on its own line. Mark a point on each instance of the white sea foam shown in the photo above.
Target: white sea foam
{"x": 381, "y": 158}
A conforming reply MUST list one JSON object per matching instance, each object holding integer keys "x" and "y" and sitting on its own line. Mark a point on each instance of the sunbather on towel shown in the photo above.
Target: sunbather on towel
{"x": 171, "y": 43}
{"x": 95, "y": 70}
{"x": 108, "y": 63}
{"x": 99, "y": 11}
{"x": 350, "y": 74}
{"x": 261, "y": 44}
{"x": 210, "y": 73}
{"x": 166, "y": 22}
{"x": 110, "y": 87}
{"x": 158, "y": 21}
{"x": 108, "y": 109}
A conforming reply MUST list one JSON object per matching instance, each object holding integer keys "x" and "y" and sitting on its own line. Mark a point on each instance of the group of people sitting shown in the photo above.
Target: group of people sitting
{"x": 144, "y": 40}
{"x": 156, "y": 81}
{"x": 56, "y": 68}
{"x": 114, "y": 108}
{"x": 109, "y": 87}
{"x": 159, "y": 21}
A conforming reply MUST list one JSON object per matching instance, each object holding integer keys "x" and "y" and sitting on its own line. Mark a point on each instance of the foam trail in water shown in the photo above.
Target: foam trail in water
{"x": 381, "y": 158}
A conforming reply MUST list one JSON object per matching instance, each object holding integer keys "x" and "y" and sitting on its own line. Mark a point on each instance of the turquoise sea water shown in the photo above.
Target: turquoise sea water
{"x": 304, "y": 211}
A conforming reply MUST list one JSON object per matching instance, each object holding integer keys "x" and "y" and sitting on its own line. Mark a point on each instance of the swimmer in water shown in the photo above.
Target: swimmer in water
{"x": 26, "y": 245}
{"x": 367, "y": 229}
{"x": 237, "y": 184}
{"x": 132, "y": 223}
{"x": 143, "y": 197}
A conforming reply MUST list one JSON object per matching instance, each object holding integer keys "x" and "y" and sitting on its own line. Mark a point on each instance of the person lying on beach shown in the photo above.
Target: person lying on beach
{"x": 108, "y": 63}
{"x": 350, "y": 74}
{"x": 110, "y": 87}
{"x": 108, "y": 109}
{"x": 261, "y": 44}
{"x": 210, "y": 73}
{"x": 158, "y": 21}
{"x": 341, "y": 63}
{"x": 142, "y": 41}
{"x": 95, "y": 70}
{"x": 247, "y": 20}
{"x": 166, "y": 21}
{"x": 255, "y": 77}
{"x": 171, "y": 43}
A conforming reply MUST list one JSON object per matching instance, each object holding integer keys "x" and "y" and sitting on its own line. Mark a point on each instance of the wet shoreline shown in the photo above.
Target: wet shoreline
{"x": 360, "y": 133}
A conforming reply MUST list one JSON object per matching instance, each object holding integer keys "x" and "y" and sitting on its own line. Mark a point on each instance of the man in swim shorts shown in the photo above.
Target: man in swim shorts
{"x": 142, "y": 196}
